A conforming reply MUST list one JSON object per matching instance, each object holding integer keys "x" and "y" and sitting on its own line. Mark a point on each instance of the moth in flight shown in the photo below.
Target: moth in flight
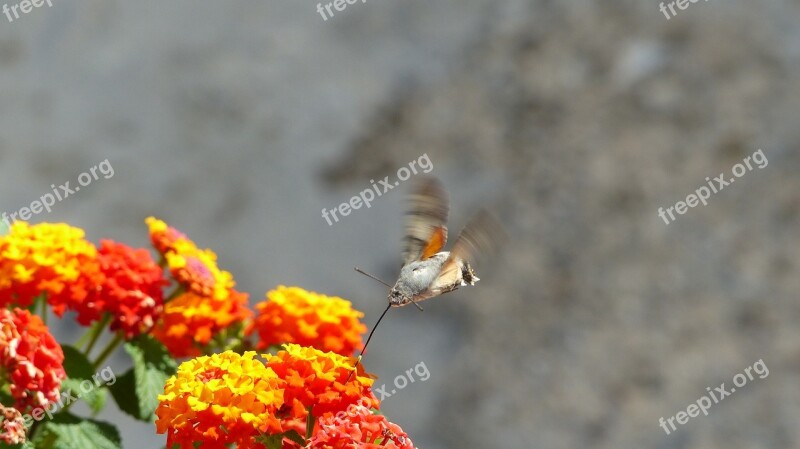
{"x": 428, "y": 271}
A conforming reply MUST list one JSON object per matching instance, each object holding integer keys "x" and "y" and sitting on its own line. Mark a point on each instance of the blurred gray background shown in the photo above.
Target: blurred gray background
{"x": 237, "y": 122}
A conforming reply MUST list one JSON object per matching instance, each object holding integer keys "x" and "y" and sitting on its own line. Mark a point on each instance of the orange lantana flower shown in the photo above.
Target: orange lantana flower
{"x": 190, "y": 321}
{"x": 208, "y": 303}
{"x": 194, "y": 268}
{"x": 162, "y": 235}
{"x": 294, "y": 315}
{"x": 47, "y": 258}
{"x": 228, "y": 398}
{"x": 220, "y": 400}
{"x": 316, "y": 380}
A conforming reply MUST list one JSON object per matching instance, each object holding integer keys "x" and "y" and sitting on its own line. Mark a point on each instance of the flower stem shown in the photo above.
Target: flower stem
{"x": 95, "y": 332}
{"x": 177, "y": 292}
{"x": 43, "y": 298}
{"x": 309, "y": 423}
{"x": 112, "y": 345}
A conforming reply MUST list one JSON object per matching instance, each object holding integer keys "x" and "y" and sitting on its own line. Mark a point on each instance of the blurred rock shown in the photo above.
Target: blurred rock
{"x": 600, "y": 319}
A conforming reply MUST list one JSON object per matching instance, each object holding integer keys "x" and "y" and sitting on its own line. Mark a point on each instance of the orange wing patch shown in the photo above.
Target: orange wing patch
{"x": 436, "y": 243}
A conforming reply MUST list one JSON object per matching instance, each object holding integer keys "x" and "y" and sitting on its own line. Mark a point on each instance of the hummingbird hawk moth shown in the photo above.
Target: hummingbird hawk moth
{"x": 428, "y": 271}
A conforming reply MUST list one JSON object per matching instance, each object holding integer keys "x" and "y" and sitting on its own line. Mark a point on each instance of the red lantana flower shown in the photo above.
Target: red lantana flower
{"x": 30, "y": 358}
{"x": 131, "y": 290}
{"x": 358, "y": 428}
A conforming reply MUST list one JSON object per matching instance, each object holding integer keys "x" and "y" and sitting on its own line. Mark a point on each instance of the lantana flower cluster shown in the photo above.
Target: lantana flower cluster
{"x": 303, "y": 389}
{"x": 205, "y": 303}
{"x": 253, "y": 398}
{"x": 293, "y": 315}
{"x": 360, "y": 428}
{"x": 55, "y": 260}
{"x": 30, "y": 358}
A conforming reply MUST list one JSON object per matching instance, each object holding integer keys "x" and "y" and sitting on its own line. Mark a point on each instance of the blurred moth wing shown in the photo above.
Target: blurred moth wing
{"x": 427, "y": 271}
{"x": 481, "y": 236}
{"x": 426, "y": 221}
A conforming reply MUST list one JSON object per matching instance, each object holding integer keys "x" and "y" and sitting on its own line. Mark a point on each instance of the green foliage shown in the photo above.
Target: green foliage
{"x": 136, "y": 392}
{"x": 80, "y": 371}
{"x": 67, "y": 431}
{"x": 276, "y": 441}
{"x": 124, "y": 393}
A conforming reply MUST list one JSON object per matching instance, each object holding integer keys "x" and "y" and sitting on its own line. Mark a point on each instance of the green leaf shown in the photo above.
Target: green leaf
{"x": 294, "y": 436}
{"x": 5, "y": 391}
{"x": 272, "y": 441}
{"x": 124, "y": 393}
{"x": 94, "y": 396}
{"x": 276, "y": 441}
{"x": 310, "y": 419}
{"x": 82, "y": 380}
{"x": 25, "y": 445}
{"x": 152, "y": 366}
{"x": 66, "y": 431}
{"x": 76, "y": 364}
{"x": 4, "y": 445}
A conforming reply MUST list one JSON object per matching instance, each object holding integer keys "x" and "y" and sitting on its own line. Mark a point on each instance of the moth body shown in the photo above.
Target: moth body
{"x": 423, "y": 279}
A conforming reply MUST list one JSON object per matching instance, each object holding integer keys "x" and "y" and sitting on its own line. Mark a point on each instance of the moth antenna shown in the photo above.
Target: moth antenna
{"x": 371, "y": 276}
{"x": 384, "y": 283}
{"x": 361, "y": 355}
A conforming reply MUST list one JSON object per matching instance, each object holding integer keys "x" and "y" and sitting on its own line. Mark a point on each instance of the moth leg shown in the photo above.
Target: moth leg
{"x": 418, "y": 306}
